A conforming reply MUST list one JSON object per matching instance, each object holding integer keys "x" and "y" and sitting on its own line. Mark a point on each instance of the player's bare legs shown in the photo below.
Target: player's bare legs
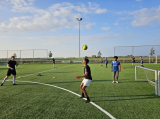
{"x": 81, "y": 89}
{"x": 14, "y": 79}
{"x": 113, "y": 76}
{"x": 84, "y": 91}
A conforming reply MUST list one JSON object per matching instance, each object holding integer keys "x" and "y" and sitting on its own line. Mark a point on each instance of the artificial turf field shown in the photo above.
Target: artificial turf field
{"x": 127, "y": 100}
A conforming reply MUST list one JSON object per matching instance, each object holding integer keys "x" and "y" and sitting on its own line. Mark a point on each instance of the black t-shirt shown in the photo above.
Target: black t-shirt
{"x": 53, "y": 60}
{"x": 87, "y": 69}
{"x": 133, "y": 59}
{"x": 12, "y": 64}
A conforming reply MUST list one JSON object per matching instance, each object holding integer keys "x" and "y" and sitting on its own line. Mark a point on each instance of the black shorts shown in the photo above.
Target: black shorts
{"x": 101, "y": 61}
{"x": 133, "y": 61}
{"x": 13, "y": 72}
{"x": 53, "y": 62}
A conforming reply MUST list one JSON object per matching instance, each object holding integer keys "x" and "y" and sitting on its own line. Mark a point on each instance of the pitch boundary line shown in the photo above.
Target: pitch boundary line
{"x": 98, "y": 107}
{"x": 101, "y": 109}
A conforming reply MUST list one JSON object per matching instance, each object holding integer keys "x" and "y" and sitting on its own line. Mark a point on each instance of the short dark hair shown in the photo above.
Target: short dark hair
{"x": 87, "y": 60}
{"x": 12, "y": 57}
{"x": 116, "y": 57}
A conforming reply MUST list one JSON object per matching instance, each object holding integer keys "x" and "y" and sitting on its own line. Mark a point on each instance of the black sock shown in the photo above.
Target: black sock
{"x": 88, "y": 98}
{"x": 82, "y": 94}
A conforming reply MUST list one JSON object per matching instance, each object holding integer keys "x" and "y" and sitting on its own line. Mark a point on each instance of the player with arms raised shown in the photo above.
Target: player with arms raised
{"x": 11, "y": 70}
{"x": 86, "y": 81}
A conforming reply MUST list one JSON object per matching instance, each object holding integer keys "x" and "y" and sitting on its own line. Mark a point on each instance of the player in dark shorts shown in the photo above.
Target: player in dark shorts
{"x": 141, "y": 61}
{"x": 53, "y": 62}
{"x": 106, "y": 61}
{"x": 86, "y": 81}
{"x": 133, "y": 61}
{"x": 11, "y": 70}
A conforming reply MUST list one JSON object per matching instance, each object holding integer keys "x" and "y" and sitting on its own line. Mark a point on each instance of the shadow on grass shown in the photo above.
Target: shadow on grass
{"x": 130, "y": 97}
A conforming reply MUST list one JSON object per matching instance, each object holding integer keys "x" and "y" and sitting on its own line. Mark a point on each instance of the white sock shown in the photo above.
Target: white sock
{"x": 14, "y": 79}
{"x": 4, "y": 80}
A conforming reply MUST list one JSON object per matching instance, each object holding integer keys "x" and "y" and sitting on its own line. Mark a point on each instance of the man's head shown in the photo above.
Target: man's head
{"x": 132, "y": 56}
{"x": 105, "y": 58}
{"x": 12, "y": 57}
{"x": 115, "y": 58}
{"x": 85, "y": 61}
{"x": 140, "y": 56}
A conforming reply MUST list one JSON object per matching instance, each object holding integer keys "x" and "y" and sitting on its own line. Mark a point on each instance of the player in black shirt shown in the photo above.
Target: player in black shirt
{"x": 11, "y": 70}
{"x": 133, "y": 61}
{"x": 53, "y": 62}
{"x": 86, "y": 81}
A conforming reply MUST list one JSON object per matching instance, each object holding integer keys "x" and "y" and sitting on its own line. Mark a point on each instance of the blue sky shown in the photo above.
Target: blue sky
{"x": 52, "y": 25}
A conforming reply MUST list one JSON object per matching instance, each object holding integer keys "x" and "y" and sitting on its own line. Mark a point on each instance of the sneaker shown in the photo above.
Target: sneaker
{"x": 81, "y": 97}
{"x": 87, "y": 101}
{"x": 14, "y": 84}
{"x": 116, "y": 81}
{"x": 1, "y": 84}
{"x": 113, "y": 82}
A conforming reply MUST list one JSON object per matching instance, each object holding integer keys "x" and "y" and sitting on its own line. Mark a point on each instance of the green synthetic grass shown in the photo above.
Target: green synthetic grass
{"x": 127, "y": 100}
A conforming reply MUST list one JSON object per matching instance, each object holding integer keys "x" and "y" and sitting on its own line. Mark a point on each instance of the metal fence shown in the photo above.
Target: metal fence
{"x": 24, "y": 54}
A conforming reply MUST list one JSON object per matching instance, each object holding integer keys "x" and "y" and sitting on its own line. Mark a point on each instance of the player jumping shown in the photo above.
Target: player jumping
{"x": 11, "y": 70}
{"x": 115, "y": 68}
{"x": 86, "y": 81}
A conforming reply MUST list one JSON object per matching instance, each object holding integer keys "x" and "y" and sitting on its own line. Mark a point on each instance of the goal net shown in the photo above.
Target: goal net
{"x": 146, "y": 74}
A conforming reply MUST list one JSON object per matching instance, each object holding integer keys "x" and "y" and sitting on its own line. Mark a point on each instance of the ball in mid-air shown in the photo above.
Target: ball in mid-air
{"x": 84, "y": 47}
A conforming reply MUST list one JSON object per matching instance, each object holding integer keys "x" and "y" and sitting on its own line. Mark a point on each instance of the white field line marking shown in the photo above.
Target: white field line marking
{"x": 44, "y": 71}
{"x": 101, "y": 109}
{"x": 104, "y": 111}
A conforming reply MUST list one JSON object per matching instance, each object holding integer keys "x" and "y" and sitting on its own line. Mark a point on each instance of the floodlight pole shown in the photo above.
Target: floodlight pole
{"x": 79, "y": 35}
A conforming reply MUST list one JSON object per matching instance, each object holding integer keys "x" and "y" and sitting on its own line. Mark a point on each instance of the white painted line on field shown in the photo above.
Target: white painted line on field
{"x": 104, "y": 111}
{"x": 101, "y": 109}
{"x": 44, "y": 71}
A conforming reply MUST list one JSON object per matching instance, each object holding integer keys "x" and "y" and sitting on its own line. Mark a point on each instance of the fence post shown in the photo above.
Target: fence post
{"x": 149, "y": 59}
{"x": 158, "y": 83}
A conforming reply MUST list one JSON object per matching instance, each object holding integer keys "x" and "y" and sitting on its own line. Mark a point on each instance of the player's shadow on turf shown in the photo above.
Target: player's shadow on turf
{"x": 132, "y": 97}
{"x": 125, "y": 96}
{"x": 100, "y": 80}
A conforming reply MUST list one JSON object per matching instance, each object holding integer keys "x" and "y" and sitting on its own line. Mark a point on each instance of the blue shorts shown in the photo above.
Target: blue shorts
{"x": 142, "y": 62}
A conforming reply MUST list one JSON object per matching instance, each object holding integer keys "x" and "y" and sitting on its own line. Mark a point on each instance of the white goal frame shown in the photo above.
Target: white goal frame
{"x": 158, "y": 83}
{"x": 157, "y": 79}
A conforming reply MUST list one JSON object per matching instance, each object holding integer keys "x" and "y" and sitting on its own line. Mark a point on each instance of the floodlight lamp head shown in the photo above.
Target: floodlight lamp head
{"x": 77, "y": 19}
{"x": 80, "y": 19}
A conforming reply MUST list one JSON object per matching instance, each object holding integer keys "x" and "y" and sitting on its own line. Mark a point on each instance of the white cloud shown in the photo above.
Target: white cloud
{"x": 106, "y": 28}
{"x": 146, "y": 16}
{"x": 116, "y": 24}
{"x": 54, "y": 40}
{"x": 56, "y": 17}
{"x": 89, "y": 26}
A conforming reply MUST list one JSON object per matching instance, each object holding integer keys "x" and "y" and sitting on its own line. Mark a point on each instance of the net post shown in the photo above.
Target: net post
{"x": 135, "y": 73}
{"x": 156, "y": 84}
